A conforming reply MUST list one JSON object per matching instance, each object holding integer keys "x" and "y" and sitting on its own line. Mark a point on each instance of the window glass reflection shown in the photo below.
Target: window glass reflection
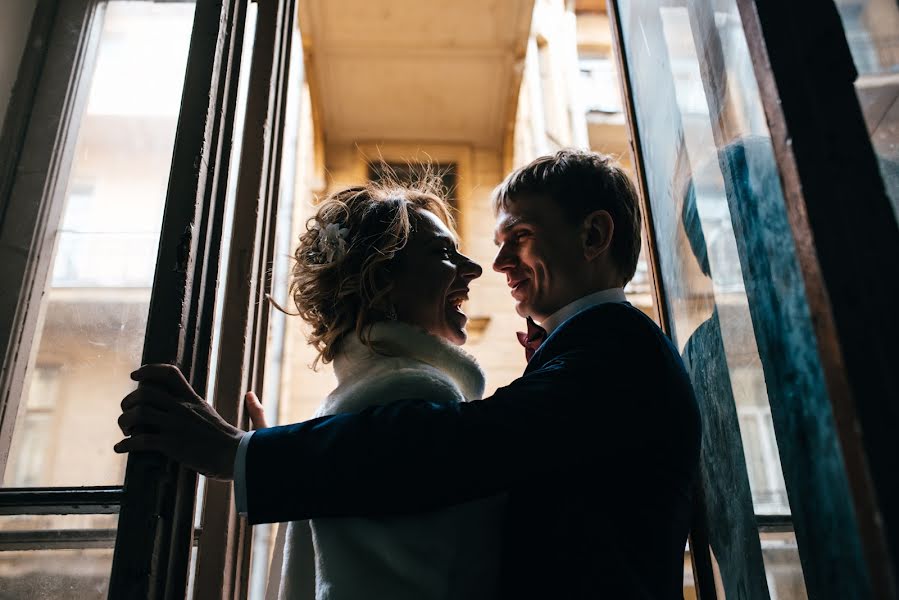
{"x": 94, "y": 310}
{"x": 704, "y": 278}
{"x": 726, "y": 257}
{"x": 872, "y": 31}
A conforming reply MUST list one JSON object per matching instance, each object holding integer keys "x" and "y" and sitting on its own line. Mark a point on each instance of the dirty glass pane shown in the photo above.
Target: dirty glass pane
{"x": 872, "y": 30}
{"x": 735, "y": 294}
{"x": 95, "y": 306}
{"x": 55, "y": 556}
{"x": 58, "y": 574}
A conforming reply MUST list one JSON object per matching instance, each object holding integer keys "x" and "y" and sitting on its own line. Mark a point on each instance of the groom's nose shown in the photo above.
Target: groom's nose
{"x": 504, "y": 260}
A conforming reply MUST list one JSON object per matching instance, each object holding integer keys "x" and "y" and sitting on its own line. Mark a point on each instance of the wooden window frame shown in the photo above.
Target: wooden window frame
{"x": 223, "y": 558}
{"x": 155, "y": 534}
{"x": 822, "y": 161}
{"x": 825, "y": 161}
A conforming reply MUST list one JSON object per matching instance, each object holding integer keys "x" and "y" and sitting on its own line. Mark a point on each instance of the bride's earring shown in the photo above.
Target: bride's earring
{"x": 391, "y": 313}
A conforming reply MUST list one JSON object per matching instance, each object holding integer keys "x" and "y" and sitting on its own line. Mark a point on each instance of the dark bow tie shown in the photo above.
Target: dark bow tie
{"x": 532, "y": 339}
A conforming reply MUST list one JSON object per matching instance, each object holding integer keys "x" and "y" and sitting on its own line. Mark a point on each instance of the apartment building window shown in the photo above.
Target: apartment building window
{"x": 406, "y": 173}
{"x": 555, "y": 113}
{"x": 598, "y": 85}
{"x": 36, "y": 422}
{"x": 766, "y": 480}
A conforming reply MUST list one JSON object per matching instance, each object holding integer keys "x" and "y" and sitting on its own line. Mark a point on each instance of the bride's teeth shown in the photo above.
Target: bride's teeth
{"x": 456, "y": 302}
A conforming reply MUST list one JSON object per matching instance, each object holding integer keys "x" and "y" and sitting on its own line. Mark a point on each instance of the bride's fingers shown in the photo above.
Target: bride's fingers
{"x": 255, "y": 411}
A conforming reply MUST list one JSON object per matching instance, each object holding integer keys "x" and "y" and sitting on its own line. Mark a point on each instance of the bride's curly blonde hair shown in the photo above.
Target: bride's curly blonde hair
{"x": 341, "y": 277}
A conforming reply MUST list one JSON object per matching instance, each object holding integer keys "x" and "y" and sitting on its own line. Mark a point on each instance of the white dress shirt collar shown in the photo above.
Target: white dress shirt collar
{"x": 552, "y": 322}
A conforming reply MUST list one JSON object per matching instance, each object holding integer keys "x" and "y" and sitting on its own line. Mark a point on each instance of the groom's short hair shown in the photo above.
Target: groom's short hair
{"x": 581, "y": 182}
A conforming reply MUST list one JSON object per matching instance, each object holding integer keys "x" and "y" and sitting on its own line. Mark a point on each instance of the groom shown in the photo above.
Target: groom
{"x": 596, "y": 444}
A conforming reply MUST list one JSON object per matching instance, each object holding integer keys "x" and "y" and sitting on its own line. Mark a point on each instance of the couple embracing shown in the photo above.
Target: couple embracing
{"x": 573, "y": 481}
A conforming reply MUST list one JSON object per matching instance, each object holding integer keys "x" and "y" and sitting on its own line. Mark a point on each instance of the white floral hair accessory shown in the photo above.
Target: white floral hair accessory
{"x": 331, "y": 242}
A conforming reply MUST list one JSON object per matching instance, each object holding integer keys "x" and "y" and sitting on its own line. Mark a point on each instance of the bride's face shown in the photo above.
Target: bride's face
{"x": 431, "y": 281}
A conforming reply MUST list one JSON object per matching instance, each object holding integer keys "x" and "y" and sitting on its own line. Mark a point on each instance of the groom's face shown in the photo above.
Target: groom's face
{"x": 541, "y": 254}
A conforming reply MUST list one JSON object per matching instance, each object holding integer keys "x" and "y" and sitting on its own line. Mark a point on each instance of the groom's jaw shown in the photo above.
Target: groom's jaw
{"x": 518, "y": 287}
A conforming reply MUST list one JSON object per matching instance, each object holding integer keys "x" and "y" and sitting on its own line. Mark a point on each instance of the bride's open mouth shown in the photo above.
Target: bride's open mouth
{"x": 455, "y": 299}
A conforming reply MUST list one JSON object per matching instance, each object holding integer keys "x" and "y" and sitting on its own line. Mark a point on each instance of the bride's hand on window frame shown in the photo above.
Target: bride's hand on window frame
{"x": 255, "y": 411}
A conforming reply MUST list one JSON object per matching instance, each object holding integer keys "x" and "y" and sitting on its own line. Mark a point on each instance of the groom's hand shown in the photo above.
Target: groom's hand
{"x": 164, "y": 414}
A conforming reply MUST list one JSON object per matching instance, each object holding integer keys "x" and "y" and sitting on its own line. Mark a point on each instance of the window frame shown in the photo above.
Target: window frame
{"x": 158, "y": 493}
{"x": 223, "y": 558}
{"x": 807, "y": 145}
{"x": 823, "y": 161}
{"x": 40, "y": 130}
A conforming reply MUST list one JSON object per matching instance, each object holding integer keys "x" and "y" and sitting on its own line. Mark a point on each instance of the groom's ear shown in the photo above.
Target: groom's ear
{"x": 598, "y": 229}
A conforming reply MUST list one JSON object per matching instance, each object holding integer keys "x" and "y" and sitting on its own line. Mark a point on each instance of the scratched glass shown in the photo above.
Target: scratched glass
{"x": 68, "y": 574}
{"x": 94, "y": 309}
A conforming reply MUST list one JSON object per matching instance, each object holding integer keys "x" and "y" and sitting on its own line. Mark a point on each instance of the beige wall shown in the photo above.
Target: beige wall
{"x": 594, "y": 35}
{"x": 15, "y": 23}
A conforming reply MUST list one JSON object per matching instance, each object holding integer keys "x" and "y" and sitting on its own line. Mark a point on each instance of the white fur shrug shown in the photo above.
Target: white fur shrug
{"x": 447, "y": 554}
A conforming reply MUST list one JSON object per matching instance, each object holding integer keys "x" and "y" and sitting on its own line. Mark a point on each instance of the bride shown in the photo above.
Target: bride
{"x": 380, "y": 280}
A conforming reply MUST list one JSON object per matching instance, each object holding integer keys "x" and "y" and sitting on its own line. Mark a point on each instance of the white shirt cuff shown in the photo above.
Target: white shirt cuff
{"x": 240, "y": 475}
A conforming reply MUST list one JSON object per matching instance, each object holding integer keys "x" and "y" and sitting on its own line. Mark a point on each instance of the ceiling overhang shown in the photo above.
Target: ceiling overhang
{"x": 412, "y": 71}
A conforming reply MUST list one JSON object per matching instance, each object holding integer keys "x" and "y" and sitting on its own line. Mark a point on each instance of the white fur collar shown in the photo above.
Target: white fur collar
{"x": 397, "y": 339}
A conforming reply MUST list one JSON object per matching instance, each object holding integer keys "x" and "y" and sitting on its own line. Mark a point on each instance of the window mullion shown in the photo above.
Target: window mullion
{"x": 774, "y": 523}
{"x": 60, "y": 501}
{"x": 152, "y": 548}
{"x": 223, "y": 555}
{"x": 56, "y": 539}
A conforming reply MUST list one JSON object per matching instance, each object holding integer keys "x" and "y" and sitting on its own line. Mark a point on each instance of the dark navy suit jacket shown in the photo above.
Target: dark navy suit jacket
{"x": 596, "y": 445}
